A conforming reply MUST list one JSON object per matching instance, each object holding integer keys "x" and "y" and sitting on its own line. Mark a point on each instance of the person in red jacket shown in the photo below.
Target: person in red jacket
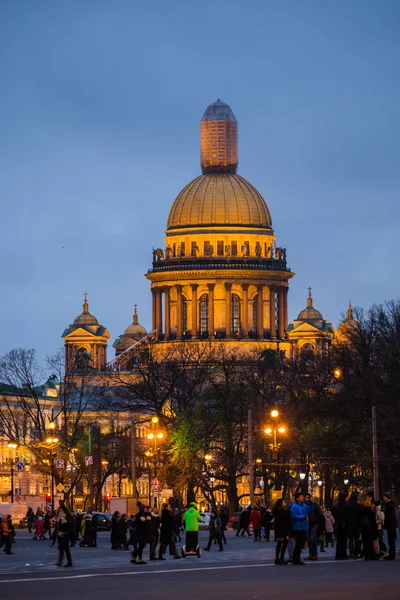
{"x": 255, "y": 520}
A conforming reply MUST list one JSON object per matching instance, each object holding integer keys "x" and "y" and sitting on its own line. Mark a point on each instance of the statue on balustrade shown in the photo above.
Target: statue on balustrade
{"x": 209, "y": 251}
{"x": 168, "y": 252}
{"x": 245, "y": 250}
{"x": 258, "y": 249}
{"x": 158, "y": 254}
{"x": 227, "y": 250}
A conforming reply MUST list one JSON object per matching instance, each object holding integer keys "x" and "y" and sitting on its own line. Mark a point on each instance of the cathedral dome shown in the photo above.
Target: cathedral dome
{"x": 219, "y": 199}
{"x": 135, "y": 330}
{"x": 310, "y": 313}
{"x": 85, "y": 318}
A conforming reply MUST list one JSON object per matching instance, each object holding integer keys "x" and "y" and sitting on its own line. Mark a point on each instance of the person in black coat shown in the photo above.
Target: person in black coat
{"x": 167, "y": 537}
{"x": 390, "y": 524}
{"x": 143, "y": 534}
{"x": 369, "y": 530}
{"x": 122, "y": 531}
{"x": 223, "y": 515}
{"x": 267, "y": 523}
{"x": 63, "y": 528}
{"x": 115, "y": 539}
{"x": 353, "y": 523}
{"x": 154, "y": 526}
{"x": 282, "y": 525}
{"x": 244, "y": 522}
{"x": 339, "y": 512}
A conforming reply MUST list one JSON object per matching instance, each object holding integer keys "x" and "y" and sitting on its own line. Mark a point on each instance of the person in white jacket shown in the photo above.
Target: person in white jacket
{"x": 329, "y": 527}
{"x": 380, "y": 521}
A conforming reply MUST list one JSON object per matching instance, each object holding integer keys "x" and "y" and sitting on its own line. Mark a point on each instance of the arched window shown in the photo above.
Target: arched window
{"x": 235, "y": 315}
{"x": 203, "y": 314}
{"x": 184, "y": 314}
{"x": 307, "y": 354}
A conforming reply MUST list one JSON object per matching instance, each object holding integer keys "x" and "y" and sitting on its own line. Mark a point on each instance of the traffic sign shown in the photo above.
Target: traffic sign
{"x": 67, "y": 487}
{"x": 60, "y": 488}
{"x": 60, "y": 463}
{"x": 20, "y": 465}
{"x": 88, "y": 460}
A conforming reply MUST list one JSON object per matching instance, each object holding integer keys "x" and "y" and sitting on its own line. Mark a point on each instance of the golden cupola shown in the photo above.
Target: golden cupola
{"x": 220, "y": 274}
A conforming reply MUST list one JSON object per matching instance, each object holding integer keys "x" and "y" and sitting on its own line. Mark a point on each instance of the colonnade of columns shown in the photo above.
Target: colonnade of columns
{"x": 278, "y": 310}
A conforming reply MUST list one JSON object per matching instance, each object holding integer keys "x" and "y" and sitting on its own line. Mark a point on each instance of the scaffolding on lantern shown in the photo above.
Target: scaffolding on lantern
{"x": 219, "y": 139}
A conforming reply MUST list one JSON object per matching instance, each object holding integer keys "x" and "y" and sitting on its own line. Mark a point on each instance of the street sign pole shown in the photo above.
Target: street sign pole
{"x": 90, "y": 471}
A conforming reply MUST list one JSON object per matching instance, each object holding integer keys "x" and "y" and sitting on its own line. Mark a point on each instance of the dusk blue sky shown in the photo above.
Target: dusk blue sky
{"x": 100, "y": 103}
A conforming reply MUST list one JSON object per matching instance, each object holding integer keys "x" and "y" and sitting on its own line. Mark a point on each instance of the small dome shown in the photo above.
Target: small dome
{"x": 310, "y": 313}
{"x": 219, "y": 199}
{"x": 218, "y": 111}
{"x": 135, "y": 330}
{"x": 349, "y": 322}
{"x": 86, "y": 318}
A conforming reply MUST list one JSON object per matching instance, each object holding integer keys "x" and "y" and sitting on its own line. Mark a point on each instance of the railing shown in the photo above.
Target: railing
{"x": 219, "y": 262}
{"x": 129, "y": 353}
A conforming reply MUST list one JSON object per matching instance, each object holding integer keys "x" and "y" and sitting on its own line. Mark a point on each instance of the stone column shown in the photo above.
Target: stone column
{"x": 167, "y": 318}
{"x": 228, "y": 304}
{"x": 211, "y": 326}
{"x": 179, "y": 311}
{"x": 195, "y": 328}
{"x": 260, "y": 311}
{"x": 281, "y": 314}
{"x": 285, "y": 308}
{"x": 245, "y": 317}
{"x": 159, "y": 311}
{"x": 153, "y": 309}
{"x": 272, "y": 317}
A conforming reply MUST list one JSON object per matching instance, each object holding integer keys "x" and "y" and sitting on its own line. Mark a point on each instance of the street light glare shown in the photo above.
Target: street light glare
{"x": 208, "y": 457}
{"x": 154, "y": 420}
{"x": 52, "y": 425}
{"x": 150, "y": 436}
{"x": 274, "y": 413}
{"x": 49, "y": 440}
{"x": 160, "y": 436}
{"x": 281, "y": 429}
{"x": 12, "y": 445}
{"x": 268, "y": 430}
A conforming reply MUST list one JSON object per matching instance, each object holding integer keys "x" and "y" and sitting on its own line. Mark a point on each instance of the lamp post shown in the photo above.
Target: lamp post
{"x": 52, "y": 441}
{"x": 154, "y": 436}
{"x": 12, "y": 446}
{"x": 274, "y": 431}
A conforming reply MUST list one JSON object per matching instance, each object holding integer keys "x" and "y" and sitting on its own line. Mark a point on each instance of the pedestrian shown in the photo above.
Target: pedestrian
{"x": 255, "y": 520}
{"x": 73, "y": 531}
{"x": 63, "y": 528}
{"x": 191, "y": 520}
{"x": 353, "y": 512}
{"x": 267, "y": 523}
{"x": 87, "y": 531}
{"x": 39, "y": 529}
{"x": 214, "y": 531}
{"x": 115, "y": 539}
{"x": 369, "y": 530}
{"x": 223, "y": 515}
{"x": 155, "y": 528}
{"x": 95, "y": 524}
{"x": 390, "y": 524}
{"x": 340, "y": 515}
{"x": 30, "y": 517}
{"x": 167, "y": 537}
{"x": 329, "y": 527}
{"x": 122, "y": 531}
{"x": 313, "y": 527}
{"x": 244, "y": 522}
{"x": 177, "y": 524}
{"x": 78, "y": 525}
{"x": 46, "y": 526}
{"x": 282, "y": 526}
{"x": 143, "y": 534}
{"x": 7, "y": 534}
{"x": 132, "y": 532}
{"x": 380, "y": 547}
{"x": 299, "y": 516}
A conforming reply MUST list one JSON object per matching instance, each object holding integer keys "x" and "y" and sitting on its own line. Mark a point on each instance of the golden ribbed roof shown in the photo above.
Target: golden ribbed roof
{"x": 219, "y": 199}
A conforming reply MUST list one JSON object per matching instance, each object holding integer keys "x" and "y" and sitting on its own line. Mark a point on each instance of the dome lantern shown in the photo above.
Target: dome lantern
{"x": 85, "y": 318}
{"x": 219, "y": 139}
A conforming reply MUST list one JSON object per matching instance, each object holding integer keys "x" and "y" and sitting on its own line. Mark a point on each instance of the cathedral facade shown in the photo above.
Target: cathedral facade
{"x": 221, "y": 275}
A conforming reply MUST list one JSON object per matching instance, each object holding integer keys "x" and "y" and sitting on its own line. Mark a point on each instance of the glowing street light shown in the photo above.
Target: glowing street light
{"x": 274, "y": 430}
{"x": 12, "y": 446}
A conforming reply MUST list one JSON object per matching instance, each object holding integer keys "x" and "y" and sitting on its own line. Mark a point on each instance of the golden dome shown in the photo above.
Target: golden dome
{"x": 219, "y": 199}
{"x": 135, "y": 330}
{"x": 86, "y": 318}
{"x": 310, "y": 313}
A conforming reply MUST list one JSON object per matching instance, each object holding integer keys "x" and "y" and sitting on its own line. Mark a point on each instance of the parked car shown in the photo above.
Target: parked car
{"x": 206, "y": 518}
{"x": 103, "y": 521}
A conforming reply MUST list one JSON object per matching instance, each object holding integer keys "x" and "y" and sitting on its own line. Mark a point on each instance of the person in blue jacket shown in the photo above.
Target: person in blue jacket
{"x": 299, "y": 514}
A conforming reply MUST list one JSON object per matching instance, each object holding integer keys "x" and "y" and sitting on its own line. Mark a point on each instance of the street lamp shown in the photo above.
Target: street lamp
{"x": 273, "y": 431}
{"x": 154, "y": 436}
{"x": 12, "y": 446}
{"x": 52, "y": 441}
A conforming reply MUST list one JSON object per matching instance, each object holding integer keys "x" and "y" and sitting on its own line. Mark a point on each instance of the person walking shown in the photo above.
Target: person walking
{"x": 244, "y": 522}
{"x": 95, "y": 524}
{"x": 132, "y": 532}
{"x": 30, "y": 516}
{"x": 390, "y": 524}
{"x": 380, "y": 548}
{"x": 267, "y": 523}
{"x": 46, "y": 526}
{"x": 299, "y": 516}
{"x": 167, "y": 537}
{"x": 7, "y": 534}
{"x": 313, "y": 527}
{"x": 87, "y": 531}
{"x": 143, "y": 534}
{"x": 191, "y": 520}
{"x": 155, "y": 528}
{"x": 369, "y": 530}
{"x": 223, "y": 515}
{"x": 115, "y": 539}
{"x": 255, "y": 520}
{"x": 63, "y": 528}
{"x": 340, "y": 515}
{"x": 282, "y": 526}
{"x": 122, "y": 531}
{"x": 214, "y": 529}
{"x": 329, "y": 527}
{"x": 353, "y": 511}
